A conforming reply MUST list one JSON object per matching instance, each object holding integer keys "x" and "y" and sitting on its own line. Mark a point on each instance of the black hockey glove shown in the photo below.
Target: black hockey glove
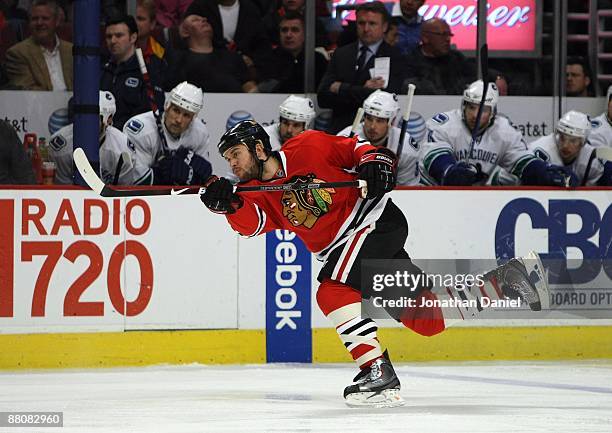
{"x": 460, "y": 174}
{"x": 219, "y": 196}
{"x": 173, "y": 170}
{"x": 560, "y": 176}
{"x": 183, "y": 167}
{"x": 201, "y": 168}
{"x": 377, "y": 168}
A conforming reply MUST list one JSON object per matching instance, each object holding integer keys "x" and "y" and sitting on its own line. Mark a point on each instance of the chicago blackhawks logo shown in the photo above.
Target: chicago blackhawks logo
{"x": 304, "y": 207}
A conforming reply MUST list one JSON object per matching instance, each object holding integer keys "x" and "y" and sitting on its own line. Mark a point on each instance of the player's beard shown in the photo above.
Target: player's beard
{"x": 249, "y": 173}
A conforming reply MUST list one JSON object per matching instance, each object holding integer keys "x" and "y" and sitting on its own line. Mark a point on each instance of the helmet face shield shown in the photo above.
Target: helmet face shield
{"x": 568, "y": 146}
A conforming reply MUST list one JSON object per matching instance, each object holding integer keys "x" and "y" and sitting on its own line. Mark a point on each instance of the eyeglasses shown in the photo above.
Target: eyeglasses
{"x": 444, "y": 34}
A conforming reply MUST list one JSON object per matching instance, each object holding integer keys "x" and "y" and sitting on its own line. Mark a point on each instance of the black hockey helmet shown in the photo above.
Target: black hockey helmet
{"x": 247, "y": 132}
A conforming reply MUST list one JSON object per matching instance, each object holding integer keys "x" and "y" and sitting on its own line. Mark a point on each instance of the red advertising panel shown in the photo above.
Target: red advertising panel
{"x": 512, "y": 25}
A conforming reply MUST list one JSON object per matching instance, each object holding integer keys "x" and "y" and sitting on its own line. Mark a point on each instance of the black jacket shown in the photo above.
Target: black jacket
{"x": 125, "y": 82}
{"x": 285, "y": 73}
{"x": 250, "y": 38}
{"x": 352, "y": 93}
{"x": 446, "y": 75}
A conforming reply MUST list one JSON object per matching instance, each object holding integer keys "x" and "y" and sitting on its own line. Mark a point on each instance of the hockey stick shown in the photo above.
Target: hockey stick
{"x": 96, "y": 184}
{"x": 151, "y": 95}
{"x": 484, "y": 67}
{"x": 604, "y": 153}
{"x": 405, "y": 118}
{"x": 356, "y": 122}
{"x": 124, "y": 160}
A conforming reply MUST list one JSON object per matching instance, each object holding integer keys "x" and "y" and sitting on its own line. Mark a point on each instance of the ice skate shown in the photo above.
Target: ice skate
{"x": 524, "y": 277}
{"x": 376, "y": 386}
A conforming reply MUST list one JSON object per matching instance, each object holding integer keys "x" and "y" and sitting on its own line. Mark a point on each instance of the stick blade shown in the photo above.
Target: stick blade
{"x": 86, "y": 170}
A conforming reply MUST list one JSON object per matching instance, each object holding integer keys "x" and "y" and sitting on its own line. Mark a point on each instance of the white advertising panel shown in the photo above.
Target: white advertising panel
{"x": 72, "y": 261}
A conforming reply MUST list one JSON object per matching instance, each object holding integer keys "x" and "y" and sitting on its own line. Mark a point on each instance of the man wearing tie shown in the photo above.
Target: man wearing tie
{"x": 347, "y": 81}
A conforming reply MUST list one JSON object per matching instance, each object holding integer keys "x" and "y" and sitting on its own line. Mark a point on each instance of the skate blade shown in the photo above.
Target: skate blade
{"x": 386, "y": 398}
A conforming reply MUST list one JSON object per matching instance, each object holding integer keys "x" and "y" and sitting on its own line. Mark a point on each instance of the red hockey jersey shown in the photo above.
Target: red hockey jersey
{"x": 322, "y": 218}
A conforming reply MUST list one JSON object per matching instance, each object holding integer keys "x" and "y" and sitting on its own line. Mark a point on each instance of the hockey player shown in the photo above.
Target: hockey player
{"x": 341, "y": 228}
{"x": 568, "y": 147}
{"x": 451, "y": 157}
{"x": 115, "y": 169}
{"x": 185, "y": 161}
{"x": 296, "y": 114}
{"x": 601, "y": 135}
{"x": 380, "y": 110}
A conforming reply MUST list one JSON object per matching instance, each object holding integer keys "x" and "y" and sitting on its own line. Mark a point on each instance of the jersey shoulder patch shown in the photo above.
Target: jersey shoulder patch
{"x": 57, "y": 142}
{"x": 134, "y": 126}
{"x": 440, "y": 118}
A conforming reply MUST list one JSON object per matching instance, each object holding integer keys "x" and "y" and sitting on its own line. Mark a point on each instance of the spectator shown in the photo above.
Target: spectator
{"x": 236, "y": 24}
{"x": 500, "y": 81}
{"x": 273, "y": 18}
{"x": 42, "y": 61}
{"x": 409, "y": 25}
{"x": 145, "y": 20}
{"x": 15, "y": 166}
{"x": 285, "y": 71}
{"x": 434, "y": 67}
{"x": 296, "y": 114}
{"x": 392, "y": 35}
{"x": 380, "y": 110}
{"x": 265, "y": 6}
{"x": 578, "y": 77}
{"x": 16, "y": 17}
{"x": 8, "y": 37}
{"x": 121, "y": 74}
{"x": 210, "y": 67}
{"x": 347, "y": 81}
{"x": 170, "y": 12}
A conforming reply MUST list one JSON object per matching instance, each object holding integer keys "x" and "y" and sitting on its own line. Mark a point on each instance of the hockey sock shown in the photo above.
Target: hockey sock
{"x": 342, "y": 305}
{"x": 423, "y": 319}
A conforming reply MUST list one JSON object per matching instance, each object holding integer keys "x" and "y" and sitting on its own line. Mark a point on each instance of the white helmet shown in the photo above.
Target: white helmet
{"x": 575, "y": 124}
{"x": 298, "y": 109}
{"x": 381, "y": 104}
{"x": 473, "y": 94}
{"x": 187, "y": 96}
{"x": 106, "y": 101}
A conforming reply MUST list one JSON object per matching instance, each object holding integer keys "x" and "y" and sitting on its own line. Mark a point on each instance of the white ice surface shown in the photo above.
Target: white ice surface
{"x": 441, "y": 398}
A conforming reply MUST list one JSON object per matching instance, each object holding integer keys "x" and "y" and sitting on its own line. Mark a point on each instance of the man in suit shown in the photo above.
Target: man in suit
{"x": 237, "y": 25}
{"x": 347, "y": 81}
{"x": 43, "y": 61}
